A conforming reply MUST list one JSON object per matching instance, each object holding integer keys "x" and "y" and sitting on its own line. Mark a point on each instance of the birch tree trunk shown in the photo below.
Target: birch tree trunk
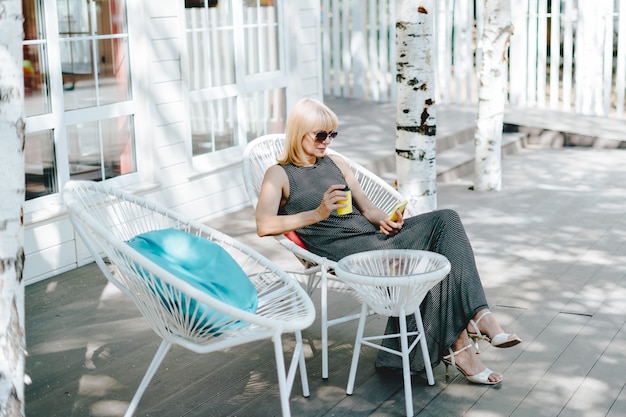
{"x": 492, "y": 95}
{"x": 12, "y": 339}
{"x": 415, "y": 115}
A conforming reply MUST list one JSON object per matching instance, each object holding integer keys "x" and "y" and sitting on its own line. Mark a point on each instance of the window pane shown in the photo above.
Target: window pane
{"x": 95, "y": 64}
{"x": 266, "y": 112}
{"x": 33, "y": 20}
{"x": 101, "y": 150}
{"x": 78, "y": 75}
{"x": 40, "y": 165}
{"x": 199, "y": 73}
{"x": 73, "y": 17}
{"x": 210, "y": 35}
{"x": 222, "y": 57}
{"x": 213, "y": 125}
{"x": 201, "y": 3}
{"x": 111, "y": 17}
{"x": 212, "y": 60}
{"x": 114, "y": 75}
{"x": 119, "y": 146}
{"x": 36, "y": 84}
{"x": 261, "y": 36}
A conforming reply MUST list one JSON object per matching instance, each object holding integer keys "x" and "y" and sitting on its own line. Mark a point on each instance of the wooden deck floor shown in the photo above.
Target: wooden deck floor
{"x": 551, "y": 249}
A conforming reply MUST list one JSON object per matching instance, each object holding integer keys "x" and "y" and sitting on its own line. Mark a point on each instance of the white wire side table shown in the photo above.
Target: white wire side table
{"x": 393, "y": 283}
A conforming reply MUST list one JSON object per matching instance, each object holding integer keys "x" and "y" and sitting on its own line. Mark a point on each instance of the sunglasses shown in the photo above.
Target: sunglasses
{"x": 322, "y": 136}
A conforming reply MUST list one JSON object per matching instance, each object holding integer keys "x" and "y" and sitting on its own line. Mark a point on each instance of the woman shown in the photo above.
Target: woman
{"x": 304, "y": 190}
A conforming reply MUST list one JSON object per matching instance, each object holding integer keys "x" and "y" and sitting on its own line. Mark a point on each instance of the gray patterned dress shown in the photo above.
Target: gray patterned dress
{"x": 448, "y": 306}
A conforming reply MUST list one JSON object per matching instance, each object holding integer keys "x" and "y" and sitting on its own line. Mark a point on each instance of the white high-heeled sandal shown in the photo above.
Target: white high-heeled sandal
{"x": 480, "y": 378}
{"x": 501, "y": 340}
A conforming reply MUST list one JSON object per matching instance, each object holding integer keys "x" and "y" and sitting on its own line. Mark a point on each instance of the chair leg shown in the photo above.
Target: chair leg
{"x": 154, "y": 365}
{"x": 406, "y": 367}
{"x": 424, "y": 346}
{"x": 357, "y": 349}
{"x": 303, "y": 373}
{"x": 311, "y": 283}
{"x": 285, "y": 380}
{"x": 324, "y": 320}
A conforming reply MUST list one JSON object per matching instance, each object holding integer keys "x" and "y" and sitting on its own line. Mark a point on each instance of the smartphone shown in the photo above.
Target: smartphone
{"x": 400, "y": 206}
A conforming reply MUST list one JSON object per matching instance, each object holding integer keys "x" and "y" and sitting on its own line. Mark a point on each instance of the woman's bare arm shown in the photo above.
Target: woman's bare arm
{"x": 274, "y": 191}
{"x": 375, "y": 215}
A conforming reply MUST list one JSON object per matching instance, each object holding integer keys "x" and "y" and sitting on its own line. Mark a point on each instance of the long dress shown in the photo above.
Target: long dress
{"x": 448, "y": 306}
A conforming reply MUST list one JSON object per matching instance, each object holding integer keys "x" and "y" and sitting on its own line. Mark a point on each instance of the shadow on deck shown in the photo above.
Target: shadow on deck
{"x": 551, "y": 250}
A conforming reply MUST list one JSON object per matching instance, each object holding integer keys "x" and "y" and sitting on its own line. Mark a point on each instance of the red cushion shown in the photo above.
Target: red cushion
{"x": 293, "y": 236}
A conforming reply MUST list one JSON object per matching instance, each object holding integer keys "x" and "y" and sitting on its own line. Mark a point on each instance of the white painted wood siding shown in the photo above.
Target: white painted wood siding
{"x": 162, "y": 124}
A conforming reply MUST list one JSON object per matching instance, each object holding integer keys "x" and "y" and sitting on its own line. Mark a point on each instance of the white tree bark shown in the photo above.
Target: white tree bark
{"x": 12, "y": 339}
{"x": 415, "y": 116}
{"x": 492, "y": 95}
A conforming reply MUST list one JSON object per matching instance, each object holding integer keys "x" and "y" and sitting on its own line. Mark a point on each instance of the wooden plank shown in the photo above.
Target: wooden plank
{"x": 596, "y": 359}
{"x": 549, "y": 245}
{"x": 76, "y": 329}
{"x": 526, "y": 390}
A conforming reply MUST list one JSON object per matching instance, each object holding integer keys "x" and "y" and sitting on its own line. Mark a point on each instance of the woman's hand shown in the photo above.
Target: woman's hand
{"x": 331, "y": 197}
{"x": 391, "y": 228}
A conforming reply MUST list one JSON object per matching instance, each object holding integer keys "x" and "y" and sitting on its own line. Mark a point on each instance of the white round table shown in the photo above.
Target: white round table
{"x": 393, "y": 282}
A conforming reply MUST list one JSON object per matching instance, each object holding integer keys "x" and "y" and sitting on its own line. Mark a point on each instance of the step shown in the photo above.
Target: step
{"x": 367, "y": 135}
{"x": 459, "y": 162}
{"x": 575, "y": 129}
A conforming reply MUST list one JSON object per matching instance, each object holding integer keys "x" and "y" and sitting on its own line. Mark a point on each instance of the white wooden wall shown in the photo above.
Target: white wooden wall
{"x": 162, "y": 124}
{"x": 565, "y": 55}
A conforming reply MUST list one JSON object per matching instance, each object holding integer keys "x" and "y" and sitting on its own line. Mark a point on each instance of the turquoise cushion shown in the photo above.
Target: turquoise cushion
{"x": 203, "y": 264}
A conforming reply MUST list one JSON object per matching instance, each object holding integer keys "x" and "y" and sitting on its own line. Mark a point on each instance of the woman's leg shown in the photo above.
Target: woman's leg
{"x": 449, "y": 305}
{"x": 485, "y": 326}
{"x": 467, "y": 360}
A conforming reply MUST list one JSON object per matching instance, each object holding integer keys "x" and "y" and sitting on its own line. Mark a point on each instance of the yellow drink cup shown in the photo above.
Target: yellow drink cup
{"x": 348, "y": 201}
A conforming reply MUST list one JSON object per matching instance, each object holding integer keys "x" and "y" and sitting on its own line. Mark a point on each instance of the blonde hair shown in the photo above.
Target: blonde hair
{"x": 308, "y": 115}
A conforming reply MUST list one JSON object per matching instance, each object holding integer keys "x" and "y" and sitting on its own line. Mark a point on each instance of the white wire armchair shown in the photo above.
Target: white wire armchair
{"x": 106, "y": 219}
{"x": 262, "y": 153}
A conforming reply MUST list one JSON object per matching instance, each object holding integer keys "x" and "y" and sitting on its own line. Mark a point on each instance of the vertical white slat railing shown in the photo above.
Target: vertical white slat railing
{"x": 542, "y": 55}
{"x": 359, "y": 53}
{"x": 555, "y": 53}
{"x": 621, "y": 59}
{"x": 609, "y": 43}
{"x": 568, "y": 54}
{"x": 372, "y": 48}
{"x": 443, "y": 28}
{"x": 531, "y": 60}
{"x": 358, "y": 50}
{"x": 517, "y": 55}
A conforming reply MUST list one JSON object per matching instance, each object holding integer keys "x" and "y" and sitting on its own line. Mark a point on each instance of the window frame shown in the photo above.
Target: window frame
{"x": 58, "y": 118}
{"x": 244, "y": 85}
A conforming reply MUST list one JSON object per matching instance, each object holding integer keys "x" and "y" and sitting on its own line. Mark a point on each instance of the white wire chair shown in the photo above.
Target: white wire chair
{"x": 393, "y": 283}
{"x": 259, "y": 155}
{"x": 106, "y": 218}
